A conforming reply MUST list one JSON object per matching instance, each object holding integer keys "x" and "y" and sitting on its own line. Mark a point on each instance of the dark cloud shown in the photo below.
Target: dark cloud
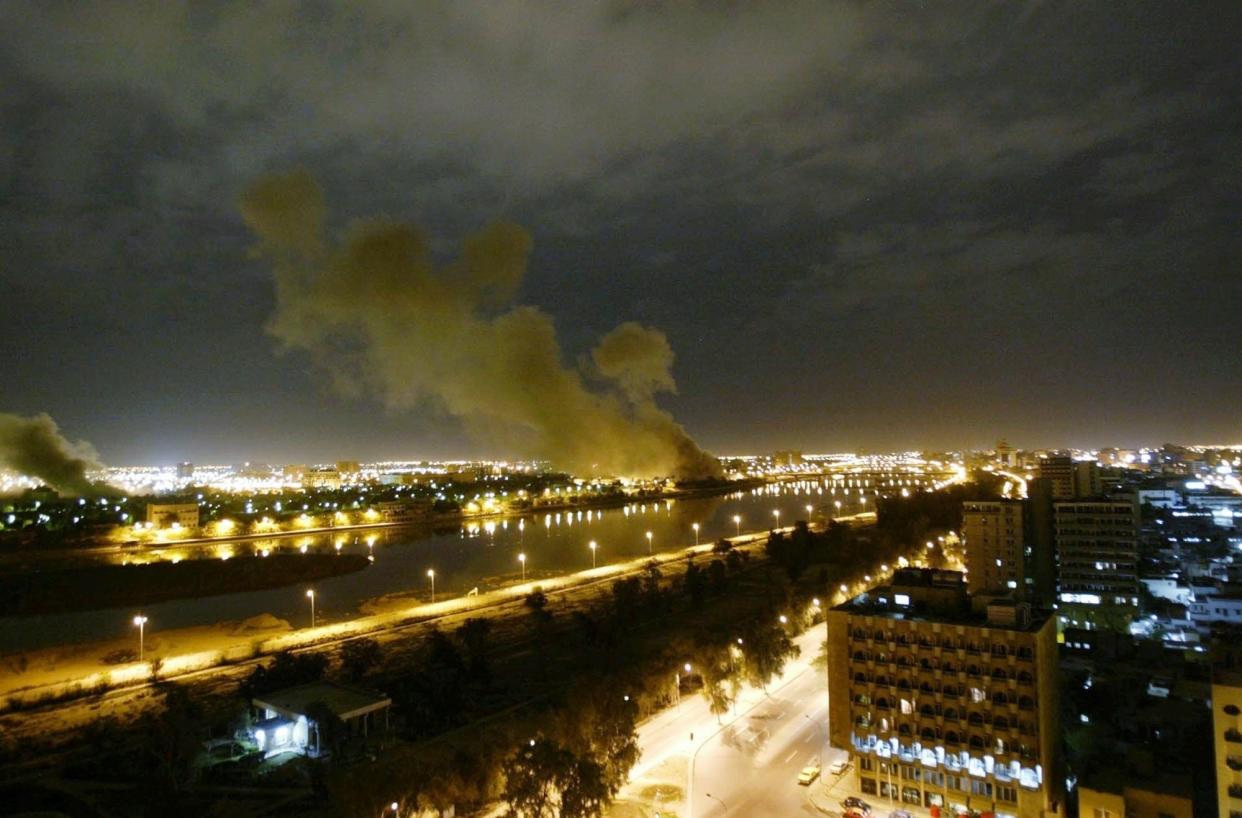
{"x": 829, "y": 208}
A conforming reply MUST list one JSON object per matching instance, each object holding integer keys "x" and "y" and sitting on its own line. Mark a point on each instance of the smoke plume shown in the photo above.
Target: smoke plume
{"x": 379, "y": 315}
{"x": 34, "y": 447}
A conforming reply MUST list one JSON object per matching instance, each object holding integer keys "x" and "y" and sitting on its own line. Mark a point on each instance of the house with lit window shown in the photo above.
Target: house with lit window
{"x": 945, "y": 701}
{"x": 285, "y": 720}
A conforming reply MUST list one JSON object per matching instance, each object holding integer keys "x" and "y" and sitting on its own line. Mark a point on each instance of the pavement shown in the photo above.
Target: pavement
{"x": 745, "y": 763}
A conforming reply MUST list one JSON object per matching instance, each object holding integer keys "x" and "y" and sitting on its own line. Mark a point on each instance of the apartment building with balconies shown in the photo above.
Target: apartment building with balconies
{"x": 1227, "y": 732}
{"x": 942, "y": 704}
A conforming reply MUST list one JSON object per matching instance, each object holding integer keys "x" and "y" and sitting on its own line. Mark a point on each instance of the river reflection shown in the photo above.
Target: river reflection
{"x": 482, "y": 554}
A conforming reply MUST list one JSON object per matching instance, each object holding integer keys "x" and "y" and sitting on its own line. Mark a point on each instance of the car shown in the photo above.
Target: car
{"x": 899, "y": 813}
{"x": 855, "y": 805}
{"x": 849, "y": 813}
{"x": 839, "y": 766}
{"x": 809, "y": 773}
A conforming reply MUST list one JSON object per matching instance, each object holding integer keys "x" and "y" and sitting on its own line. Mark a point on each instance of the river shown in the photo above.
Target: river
{"x": 483, "y": 554}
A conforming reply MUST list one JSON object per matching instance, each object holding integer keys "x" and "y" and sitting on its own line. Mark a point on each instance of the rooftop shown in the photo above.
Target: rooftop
{"x": 345, "y": 701}
{"x": 929, "y": 595}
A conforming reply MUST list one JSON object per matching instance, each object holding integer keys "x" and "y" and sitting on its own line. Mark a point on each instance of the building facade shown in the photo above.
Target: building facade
{"x": 942, "y": 706}
{"x": 1097, "y": 553}
{"x": 993, "y": 532}
{"x": 1227, "y": 733}
{"x": 1148, "y": 799}
{"x": 167, "y": 515}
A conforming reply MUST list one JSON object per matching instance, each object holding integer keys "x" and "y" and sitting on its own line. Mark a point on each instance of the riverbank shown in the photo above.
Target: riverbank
{"x": 112, "y": 586}
{"x": 17, "y": 557}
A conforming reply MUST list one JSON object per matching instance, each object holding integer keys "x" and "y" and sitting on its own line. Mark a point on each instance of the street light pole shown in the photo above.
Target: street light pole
{"x": 431, "y": 574}
{"x": 522, "y": 559}
{"x": 310, "y": 594}
{"x": 677, "y": 682}
{"x": 696, "y": 534}
{"x": 649, "y": 543}
{"x": 592, "y": 546}
{"x": 737, "y": 523}
{"x": 141, "y": 622}
{"x": 776, "y": 512}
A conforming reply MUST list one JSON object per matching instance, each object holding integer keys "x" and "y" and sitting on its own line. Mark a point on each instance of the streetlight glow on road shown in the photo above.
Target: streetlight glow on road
{"x": 140, "y": 622}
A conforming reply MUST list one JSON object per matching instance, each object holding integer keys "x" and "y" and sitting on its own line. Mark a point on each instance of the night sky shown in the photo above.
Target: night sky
{"x": 861, "y": 226}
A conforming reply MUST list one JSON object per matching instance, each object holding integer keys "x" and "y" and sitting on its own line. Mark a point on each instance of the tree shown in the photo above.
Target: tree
{"x": 598, "y": 723}
{"x": 171, "y": 739}
{"x": 474, "y": 634}
{"x": 695, "y": 584}
{"x": 286, "y": 670}
{"x": 626, "y": 599}
{"x": 765, "y": 650}
{"x": 359, "y": 657}
{"x": 545, "y": 780}
{"x": 721, "y": 679}
{"x": 537, "y": 604}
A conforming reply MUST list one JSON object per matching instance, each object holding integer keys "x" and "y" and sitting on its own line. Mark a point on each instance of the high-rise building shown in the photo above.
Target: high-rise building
{"x": 1059, "y": 472}
{"x": 1227, "y": 732}
{"x": 1041, "y": 542}
{"x": 1097, "y": 553}
{"x": 1070, "y": 480}
{"x": 1009, "y": 546}
{"x": 943, "y": 705}
{"x": 994, "y": 536}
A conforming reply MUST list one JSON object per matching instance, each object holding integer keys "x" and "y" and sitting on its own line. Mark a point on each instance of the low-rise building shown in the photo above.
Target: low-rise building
{"x": 287, "y": 718}
{"x": 1118, "y": 796}
{"x": 169, "y": 515}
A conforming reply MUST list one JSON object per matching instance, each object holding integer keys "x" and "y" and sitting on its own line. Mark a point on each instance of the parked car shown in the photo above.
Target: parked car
{"x": 899, "y": 813}
{"x": 849, "y": 813}
{"x": 839, "y": 766}
{"x": 856, "y": 805}
{"x": 809, "y": 773}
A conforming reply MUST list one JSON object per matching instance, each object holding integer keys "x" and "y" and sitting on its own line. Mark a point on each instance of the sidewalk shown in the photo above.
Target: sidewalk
{"x": 660, "y": 784}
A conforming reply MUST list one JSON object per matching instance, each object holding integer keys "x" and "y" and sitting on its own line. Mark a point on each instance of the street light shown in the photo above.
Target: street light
{"x": 737, "y": 523}
{"x": 649, "y": 543}
{"x": 522, "y": 559}
{"x": 776, "y": 512}
{"x": 140, "y": 622}
{"x": 592, "y": 546}
{"x": 431, "y": 574}
{"x": 696, "y": 533}
{"x": 677, "y": 682}
{"x": 311, "y": 596}
{"x": 809, "y": 511}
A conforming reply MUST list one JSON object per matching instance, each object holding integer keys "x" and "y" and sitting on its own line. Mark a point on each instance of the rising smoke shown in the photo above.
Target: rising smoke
{"x": 34, "y": 447}
{"x": 380, "y": 316}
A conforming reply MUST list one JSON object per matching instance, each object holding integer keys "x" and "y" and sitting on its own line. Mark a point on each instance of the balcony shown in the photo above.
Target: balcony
{"x": 1235, "y": 791}
{"x": 1233, "y": 735}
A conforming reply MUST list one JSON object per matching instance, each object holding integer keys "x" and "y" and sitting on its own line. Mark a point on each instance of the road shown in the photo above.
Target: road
{"x": 748, "y": 762}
